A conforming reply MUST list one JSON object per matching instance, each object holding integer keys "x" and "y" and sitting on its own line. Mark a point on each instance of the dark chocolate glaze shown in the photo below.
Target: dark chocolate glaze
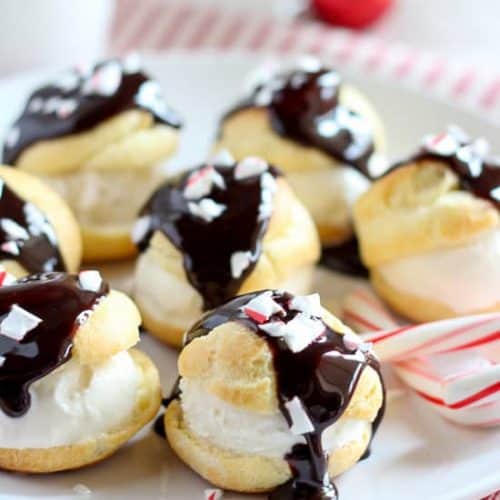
{"x": 344, "y": 258}
{"x": 207, "y": 247}
{"x": 58, "y": 300}
{"x": 304, "y": 106}
{"x": 477, "y": 172}
{"x": 68, "y": 107}
{"x": 481, "y": 183}
{"x": 324, "y": 384}
{"x": 26, "y": 235}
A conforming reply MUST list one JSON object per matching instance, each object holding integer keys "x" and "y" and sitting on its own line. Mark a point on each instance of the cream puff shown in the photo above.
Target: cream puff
{"x": 321, "y": 132}
{"x": 38, "y": 232}
{"x": 274, "y": 394}
{"x": 220, "y": 229}
{"x": 430, "y": 230}
{"x": 97, "y": 135}
{"x": 71, "y": 388}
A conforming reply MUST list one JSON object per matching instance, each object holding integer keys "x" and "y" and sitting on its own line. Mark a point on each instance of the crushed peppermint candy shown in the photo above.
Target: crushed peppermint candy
{"x": 308, "y": 304}
{"x": 262, "y": 307}
{"x": 18, "y": 323}
{"x": 301, "y": 423}
{"x": 2, "y": 360}
{"x": 12, "y": 137}
{"x": 213, "y": 494}
{"x": 206, "y": 209}
{"x": 251, "y": 166}
{"x": 132, "y": 63}
{"x": 90, "y": 281}
{"x": 6, "y": 278}
{"x": 141, "y": 228}
{"x": 222, "y": 158}
{"x": 301, "y": 331}
{"x": 10, "y": 247}
{"x": 82, "y": 490}
{"x": 201, "y": 182}
{"x": 13, "y": 229}
{"x": 239, "y": 262}
{"x": 105, "y": 81}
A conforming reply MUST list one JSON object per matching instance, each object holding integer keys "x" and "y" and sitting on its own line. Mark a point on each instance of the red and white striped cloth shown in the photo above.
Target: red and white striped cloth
{"x": 156, "y": 25}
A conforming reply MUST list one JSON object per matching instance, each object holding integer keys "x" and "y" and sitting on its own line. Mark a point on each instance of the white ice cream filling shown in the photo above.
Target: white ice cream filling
{"x": 465, "y": 278}
{"x": 74, "y": 403}
{"x": 251, "y": 433}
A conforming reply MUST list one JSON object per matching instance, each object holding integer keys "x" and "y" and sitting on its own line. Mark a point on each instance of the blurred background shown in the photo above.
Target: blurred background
{"x": 60, "y": 32}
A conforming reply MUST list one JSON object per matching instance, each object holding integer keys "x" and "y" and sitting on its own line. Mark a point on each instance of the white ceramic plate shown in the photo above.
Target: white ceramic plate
{"x": 416, "y": 454}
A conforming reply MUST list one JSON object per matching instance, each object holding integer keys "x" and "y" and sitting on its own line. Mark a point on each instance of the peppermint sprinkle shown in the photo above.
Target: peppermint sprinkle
{"x": 308, "y": 304}
{"x": 13, "y": 229}
{"x": 250, "y": 167}
{"x": 213, "y": 494}
{"x": 105, "y": 81}
{"x": 35, "y": 105}
{"x": 18, "y": 323}
{"x": 262, "y": 307}
{"x": 132, "y": 63}
{"x": 12, "y": 137}
{"x": 66, "y": 108}
{"x": 239, "y": 262}
{"x": 6, "y": 278}
{"x": 223, "y": 158}
{"x": 90, "y": 280}
{"x": 2, "y": 360}
{"x": 200, "y": 183}
{"x": 443, "y": 144}
{"x": 301, "y": 424}
{"x": 206, "y": 209}
{"x": 10, "y": 247}
{"x": 140, "y": 229}
{"x": 298, "y": 333}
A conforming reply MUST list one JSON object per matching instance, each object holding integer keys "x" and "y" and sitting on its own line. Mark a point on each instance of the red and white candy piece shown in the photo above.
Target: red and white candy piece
{"x": 105, "y": 80}
{"x": 2, "y": 360}
{"x": 301, "y": 423}
{"x": 269, "y": 187}
{"x": 10, "y": 247}
{"x": 90, "y": 281}
{"x": 262, "y": 307}
{"x": 443, "y": 144}
{"x": 206, "y": 209}
{"x": 38, "y": 224}
{"x": 251, "y": 166}
{"x": 18, "y": 323}
{"x": 6, "y": 278}
{"x": 213, "y": 494}
{"x": 35, "y": 105}
{"x": 201, "y": 182}
{"x": 66, "y": 108}
{"x": 239, "y": 262}
{"x": 298, "y": 333}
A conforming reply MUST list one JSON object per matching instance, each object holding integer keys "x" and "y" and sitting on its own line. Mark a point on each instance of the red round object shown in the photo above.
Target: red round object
{"x": 350, "y": 13}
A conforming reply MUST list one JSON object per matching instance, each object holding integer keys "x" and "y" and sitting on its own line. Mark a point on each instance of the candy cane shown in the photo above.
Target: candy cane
{"x": 451, "y": 364}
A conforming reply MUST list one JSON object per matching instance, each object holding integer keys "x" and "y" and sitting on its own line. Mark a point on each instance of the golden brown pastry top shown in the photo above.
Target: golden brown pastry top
{"x": 48, "y": 318}
{"x": 228, "y": 228}
{"x": 443, "y": 197}
{"x": 38, "y": 232}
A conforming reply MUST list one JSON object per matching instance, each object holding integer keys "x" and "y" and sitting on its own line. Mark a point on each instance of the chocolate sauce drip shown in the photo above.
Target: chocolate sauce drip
{"x": 58, "y": 301}
{"x": 344, "y": 258}
{"x": 26, "y": 235}
{"x": 83, "y": 98}
{"x": 208, "y": 247}
{"x": 323, "y": 376}
{"x": 304, "y": 106}
{"x": 478, "y": 176}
